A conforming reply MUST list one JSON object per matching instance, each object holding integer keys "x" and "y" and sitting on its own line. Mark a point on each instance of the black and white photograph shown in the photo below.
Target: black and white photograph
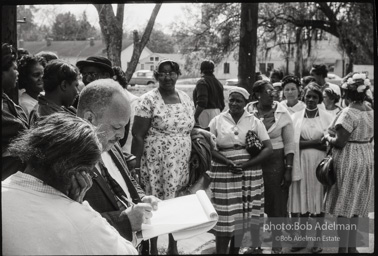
{"x": 187, "y": 128}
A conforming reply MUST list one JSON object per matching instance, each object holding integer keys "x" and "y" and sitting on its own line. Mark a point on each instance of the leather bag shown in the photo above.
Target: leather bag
{"x": 325, "y": 172}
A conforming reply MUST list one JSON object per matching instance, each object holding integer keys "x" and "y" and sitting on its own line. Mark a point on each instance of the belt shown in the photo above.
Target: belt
{"x": 358, "y": 142}
{"x": 235, "y": 147}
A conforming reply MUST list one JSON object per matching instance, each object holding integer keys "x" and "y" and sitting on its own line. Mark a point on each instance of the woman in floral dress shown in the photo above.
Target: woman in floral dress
{"x": 161, "y": 143}
{"x": 351, "y": 134}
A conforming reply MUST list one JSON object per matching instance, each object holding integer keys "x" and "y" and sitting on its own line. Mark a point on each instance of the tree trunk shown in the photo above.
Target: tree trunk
{"x": 299, "y": 52}
{"x": 9, "y": 35}
{"x": 111, "y": 28}
{"x": 248, "y": 45}
{"x": 139, "y": 44}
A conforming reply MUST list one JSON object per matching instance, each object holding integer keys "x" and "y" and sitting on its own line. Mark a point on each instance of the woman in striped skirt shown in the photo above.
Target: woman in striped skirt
{"x": 237, "y": 183}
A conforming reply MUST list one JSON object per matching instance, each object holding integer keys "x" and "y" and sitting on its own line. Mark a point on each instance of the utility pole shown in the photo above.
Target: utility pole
{"x": 288, "y": 58}
{"x": 9, "y": 35}
{"x": 248, "y": 45}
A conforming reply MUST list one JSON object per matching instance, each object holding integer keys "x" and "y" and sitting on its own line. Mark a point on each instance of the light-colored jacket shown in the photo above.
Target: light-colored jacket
{"x": 281, "y": 133}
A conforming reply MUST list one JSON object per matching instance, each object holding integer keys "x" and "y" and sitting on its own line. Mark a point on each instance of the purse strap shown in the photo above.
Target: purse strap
{"x": 329, "y": 151}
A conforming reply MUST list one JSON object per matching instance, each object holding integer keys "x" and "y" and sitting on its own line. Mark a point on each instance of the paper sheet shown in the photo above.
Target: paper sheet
{"x": 183, "y": 216}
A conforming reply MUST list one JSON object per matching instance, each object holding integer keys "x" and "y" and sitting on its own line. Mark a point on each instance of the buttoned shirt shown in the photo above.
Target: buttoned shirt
{"x": 230, "y": 134}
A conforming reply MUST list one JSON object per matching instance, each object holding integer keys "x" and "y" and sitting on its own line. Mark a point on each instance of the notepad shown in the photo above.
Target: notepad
{"x": 184, "y": 217}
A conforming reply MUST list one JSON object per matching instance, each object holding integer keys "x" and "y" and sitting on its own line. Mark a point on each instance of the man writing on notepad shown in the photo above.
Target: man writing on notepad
{"x": 114, "y": 193}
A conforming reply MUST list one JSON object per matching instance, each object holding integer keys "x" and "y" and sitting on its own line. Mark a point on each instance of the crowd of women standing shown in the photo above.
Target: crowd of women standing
{"x": 294, "y": 131}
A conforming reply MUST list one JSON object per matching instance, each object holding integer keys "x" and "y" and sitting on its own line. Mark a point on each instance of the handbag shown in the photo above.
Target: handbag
{"x": 325, "y": 172}
{"x": 253, "y": 144}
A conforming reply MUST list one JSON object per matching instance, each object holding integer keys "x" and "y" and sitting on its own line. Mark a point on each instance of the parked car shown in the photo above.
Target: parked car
{"x": 333, "y": 79}
{"x": 142, "y": 77}
{"x": 234, "y": 81}
{"x": 188, "y": 81}
{"x": 231, "y": 82}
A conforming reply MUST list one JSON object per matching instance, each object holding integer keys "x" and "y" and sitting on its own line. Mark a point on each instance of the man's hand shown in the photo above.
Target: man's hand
{"x": 139, "y": 214}
{"x": 152, "y": 200}
{"x": 81, "y": 182}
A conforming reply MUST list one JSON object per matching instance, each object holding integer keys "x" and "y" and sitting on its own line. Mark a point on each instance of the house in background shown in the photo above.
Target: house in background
{"x": 127, "y": 53}
{"x": 73, "y": 51}
{"x": 149, "y": 62}
{"x": 324, "y": 51}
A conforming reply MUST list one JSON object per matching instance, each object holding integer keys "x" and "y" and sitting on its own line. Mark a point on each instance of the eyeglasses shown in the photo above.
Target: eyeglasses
{"x": 171, "y": 74}
{"x": 92, "y": 74}
{"x": 271, "y": 92}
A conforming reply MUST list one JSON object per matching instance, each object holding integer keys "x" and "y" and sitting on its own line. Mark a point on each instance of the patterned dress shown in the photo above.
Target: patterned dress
{"x": 236, "y": 197}
{"x": 354, "y": 163}
{"x": 167, "y": 145}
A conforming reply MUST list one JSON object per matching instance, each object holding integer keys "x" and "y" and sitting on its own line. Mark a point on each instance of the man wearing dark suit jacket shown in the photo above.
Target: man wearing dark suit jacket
{"x": 104, "y": 104}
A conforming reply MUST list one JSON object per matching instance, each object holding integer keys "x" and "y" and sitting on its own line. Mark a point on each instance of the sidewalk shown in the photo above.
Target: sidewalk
{"x": 205, "y": 244}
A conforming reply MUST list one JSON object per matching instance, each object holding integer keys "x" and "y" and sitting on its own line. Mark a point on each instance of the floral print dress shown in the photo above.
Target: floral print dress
{"x": 167, "y": 145}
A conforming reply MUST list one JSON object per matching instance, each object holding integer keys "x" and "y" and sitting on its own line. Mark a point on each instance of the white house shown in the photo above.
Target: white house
{"x": 127, "y": 53}
{"x": 323, "y": 51}
{"x": 150, "y": 61}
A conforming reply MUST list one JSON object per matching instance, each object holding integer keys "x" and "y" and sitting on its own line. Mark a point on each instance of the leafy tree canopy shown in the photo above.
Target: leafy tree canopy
{"x": 213, "y": 30}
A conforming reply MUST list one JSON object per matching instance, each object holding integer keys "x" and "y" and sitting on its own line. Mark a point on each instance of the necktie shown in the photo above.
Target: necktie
{"x": 116, "y": 189}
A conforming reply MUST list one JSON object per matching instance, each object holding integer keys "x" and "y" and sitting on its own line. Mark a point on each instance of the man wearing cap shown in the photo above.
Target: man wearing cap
{"x": 208, "y": 95}
{"x": 95, "y": 67}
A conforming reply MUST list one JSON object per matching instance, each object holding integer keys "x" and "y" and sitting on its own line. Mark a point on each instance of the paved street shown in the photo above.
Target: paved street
{"x": 205, "y": 244}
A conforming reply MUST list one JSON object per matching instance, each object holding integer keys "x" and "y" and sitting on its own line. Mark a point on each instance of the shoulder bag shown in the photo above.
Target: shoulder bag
{"x": 325, "y": 172}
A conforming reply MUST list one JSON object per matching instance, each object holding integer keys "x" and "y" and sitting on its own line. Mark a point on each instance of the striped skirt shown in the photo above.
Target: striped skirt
{"x": 237, "y": 198}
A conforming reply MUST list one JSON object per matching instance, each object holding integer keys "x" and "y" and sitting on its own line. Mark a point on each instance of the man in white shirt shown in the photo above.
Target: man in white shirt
{"x": 43, "y": 212}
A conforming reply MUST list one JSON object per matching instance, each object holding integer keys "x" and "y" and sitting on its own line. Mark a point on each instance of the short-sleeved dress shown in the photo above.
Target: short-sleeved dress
{"x": 354, "y": 164}
{"x": 167, "y": 145}
{"x": 236, "y": 197}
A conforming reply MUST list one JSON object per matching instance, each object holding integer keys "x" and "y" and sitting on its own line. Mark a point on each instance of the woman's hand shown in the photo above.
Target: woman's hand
{"x": 81, "y": 182}
{"x": 234, "y": 168}
{"x": 325, "y": 139}
{"x": 286, "y": 181}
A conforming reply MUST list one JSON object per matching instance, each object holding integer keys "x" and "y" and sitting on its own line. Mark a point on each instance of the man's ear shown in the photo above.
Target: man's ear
{"x": 90, "y": 117}
{"x": 63, "y": 86}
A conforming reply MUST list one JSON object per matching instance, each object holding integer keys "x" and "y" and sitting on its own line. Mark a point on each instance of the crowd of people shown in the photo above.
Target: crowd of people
{"x": 71, "y": 186}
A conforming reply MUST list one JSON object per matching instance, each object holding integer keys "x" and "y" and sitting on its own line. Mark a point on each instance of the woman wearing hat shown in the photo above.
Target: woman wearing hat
{"x": 350, "y": 134}
{"x": 163, "y": 121}
{"x": 277, "y": 173}
{"x": 237, "y": 182}
{"x": 13, "y": 118}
